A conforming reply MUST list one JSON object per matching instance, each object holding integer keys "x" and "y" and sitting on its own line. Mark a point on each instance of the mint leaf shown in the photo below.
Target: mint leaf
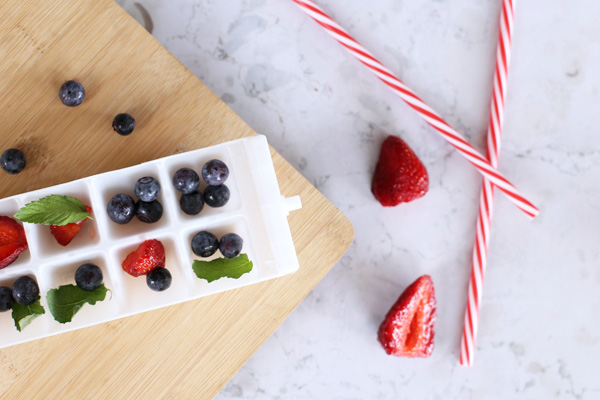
{"x": 53, "y": 210}
{"x": 67, "y": 300}
{"x": 222, "y": 267}
{"x": 23, "y": 315}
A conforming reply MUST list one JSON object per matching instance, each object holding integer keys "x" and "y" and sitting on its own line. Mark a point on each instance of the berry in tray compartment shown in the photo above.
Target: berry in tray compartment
{"x": 6, "y": 298}
{"x": 12, "y": 241}
{"x": 192, "y": 203}
{"x": 186, "y": 180}
{"x": 25, "y": 291}
{"x": 230, "y": 245}
{"x": 205, "y": 244}
{"x": 26, "y": 306}
{"x": 64, "y": 234}
{"x": 147, "y": 188}
{"x": 231, "y": 265}
{"x": 149, "y": 259}
{"x": 88, "y": 276}
{"x": 149, "y": 212}
{"x": 159, "y": 279}
{"x": 66, "y": 300}
{"x": 122, "y": 208}
{"x": 65, "y": 215}
{"x": 149, "y": 255}
{"x": 215, "y": 172}
{"x": 216, "y": 196}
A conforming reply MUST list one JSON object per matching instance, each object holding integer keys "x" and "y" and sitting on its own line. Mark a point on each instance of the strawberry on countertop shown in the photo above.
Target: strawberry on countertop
{"x": 407, "y": 330}
{"x": 149, "y": 255}
{"x": 64, "y": 234}
{"x": 12, "y": 241}
{"x": 399, "y": 176}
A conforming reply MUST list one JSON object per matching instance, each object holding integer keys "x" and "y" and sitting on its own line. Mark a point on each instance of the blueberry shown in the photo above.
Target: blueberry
{"x": 121, "y": 208}
{"x": 231, "y": 245}
{"x": 216, "y": 196}
{"x": 13, "y": 161}
{"x": 88, "y": 277}
{"x": 25, "y": 291}
{"x": 192, "y": 203}
{"x": 149, "y": 212}
{"x": 186, "y": 180}
{"x": 204, "y": 244}
{"x": 159, "y": 279}
{"x": 215, "y": 172}
{"x": 123, "y": 124}
{"x": 6, "y": 298}
{"x": 71, "y": 93}
{"x": 147, "y": 188}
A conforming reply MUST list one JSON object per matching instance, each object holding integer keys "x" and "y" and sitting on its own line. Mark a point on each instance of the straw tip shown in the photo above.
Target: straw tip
{"x": 466, "y": 363}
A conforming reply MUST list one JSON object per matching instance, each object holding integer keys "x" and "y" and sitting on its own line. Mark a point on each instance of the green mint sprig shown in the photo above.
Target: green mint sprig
{"x": 67, "y": 300}
{"x": 222, "y": 268}
{"x": 53, "y": 210}
{"x": 24, "y": 315}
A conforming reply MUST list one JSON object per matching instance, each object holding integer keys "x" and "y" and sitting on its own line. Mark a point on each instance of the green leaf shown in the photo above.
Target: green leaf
{"x": 65, "y": 301}
{"x": 53, "y": 210}
{"x": 23, "y": 315}
{"x": 222, "y": 267}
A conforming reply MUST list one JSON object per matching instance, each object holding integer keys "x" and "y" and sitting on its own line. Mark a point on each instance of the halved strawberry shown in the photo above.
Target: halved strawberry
{"x": 12, "y": 241}
{"x": 65, "y": 233}
{"x": 399, "y": 176}
{"x": 407, "y": 329}
{"x": 149, "y": 255}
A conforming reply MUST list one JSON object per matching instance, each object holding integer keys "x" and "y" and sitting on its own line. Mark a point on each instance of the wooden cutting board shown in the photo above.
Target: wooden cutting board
{"x": 185, "y": 351}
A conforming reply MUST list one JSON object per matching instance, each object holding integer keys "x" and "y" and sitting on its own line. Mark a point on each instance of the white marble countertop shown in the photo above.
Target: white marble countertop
{"x": 324, "y": 112}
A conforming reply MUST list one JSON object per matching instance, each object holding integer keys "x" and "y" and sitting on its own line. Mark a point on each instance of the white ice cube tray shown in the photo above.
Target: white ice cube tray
{"x": 256, "y": 211}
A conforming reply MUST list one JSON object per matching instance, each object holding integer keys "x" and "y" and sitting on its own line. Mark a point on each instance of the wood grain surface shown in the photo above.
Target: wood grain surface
{"x": 185, "y": 351}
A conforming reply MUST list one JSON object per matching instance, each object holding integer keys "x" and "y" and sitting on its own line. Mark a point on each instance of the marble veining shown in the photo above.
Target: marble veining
{"x": 540, "y": 329}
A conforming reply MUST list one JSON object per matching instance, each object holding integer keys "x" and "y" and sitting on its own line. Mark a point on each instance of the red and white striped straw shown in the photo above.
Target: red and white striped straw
{"x": 486, "y": 200}
{"x": 426, "y": 112}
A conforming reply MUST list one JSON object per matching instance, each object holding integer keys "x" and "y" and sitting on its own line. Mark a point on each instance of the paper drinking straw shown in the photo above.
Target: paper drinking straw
{"x": 486, "y": 200}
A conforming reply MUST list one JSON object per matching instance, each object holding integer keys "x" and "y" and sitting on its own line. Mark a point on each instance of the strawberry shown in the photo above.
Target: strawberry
{"x": 149, "y": 255}
{"x": 12, "y": 241}
{"x": 407, "y": 329}
{"x": 65, "y": 233}
{"x": 399, "y": 176}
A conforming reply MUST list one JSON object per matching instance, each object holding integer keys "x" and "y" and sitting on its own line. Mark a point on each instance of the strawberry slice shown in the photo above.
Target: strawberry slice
{"x": 407, "y": 330}
{"x": 399, "y": 176}
{"x": 12, "y": 241}
{"x": 149, "y": 255}
{"x": 64, "y": 234}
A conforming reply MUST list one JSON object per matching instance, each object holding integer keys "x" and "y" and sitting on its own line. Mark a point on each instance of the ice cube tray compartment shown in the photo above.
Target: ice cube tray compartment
{"x": 42, "y": 243}
{"x": 176, "y": 162}
{"x": 235, "y": 224}
{"x": 61, "y": 273}
{"x": 137, "y": 296}
{"x": 37, "y": 328}
{"x": 9, "y": 207}
{"x": 123, "y": 181}
{"x": 256, "y": 211}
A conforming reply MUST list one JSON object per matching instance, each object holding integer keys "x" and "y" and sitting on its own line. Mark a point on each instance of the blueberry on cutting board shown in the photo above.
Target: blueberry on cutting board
{"x": 71, "y": 93}
{"x": 123, "y": 124}
{"x": 13, "y": 161}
